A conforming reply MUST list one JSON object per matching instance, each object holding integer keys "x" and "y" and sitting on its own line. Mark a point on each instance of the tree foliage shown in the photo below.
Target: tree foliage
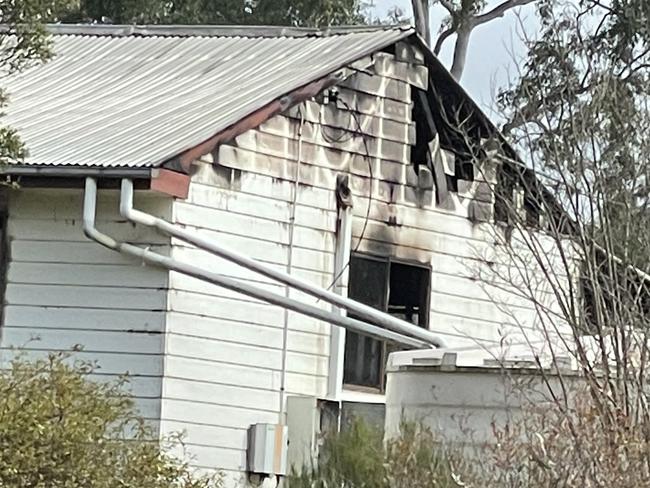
{"x": 300, "y": 13}
{"x": 580, "y": 108}
{"x": 59, "y": 429}
{"x": 23, "y": 42}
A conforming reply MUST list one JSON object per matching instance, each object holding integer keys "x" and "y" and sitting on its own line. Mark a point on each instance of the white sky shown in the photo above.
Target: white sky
{"x": 492, "y": 48}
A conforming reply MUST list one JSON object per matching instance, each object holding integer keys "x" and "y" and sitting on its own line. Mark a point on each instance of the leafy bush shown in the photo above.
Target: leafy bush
{"x": 59, "y": 429}
{"x": 358, "y": 458}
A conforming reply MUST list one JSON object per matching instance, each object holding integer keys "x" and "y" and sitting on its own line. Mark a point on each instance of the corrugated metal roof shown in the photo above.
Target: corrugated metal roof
{"x": 137, "y": 96}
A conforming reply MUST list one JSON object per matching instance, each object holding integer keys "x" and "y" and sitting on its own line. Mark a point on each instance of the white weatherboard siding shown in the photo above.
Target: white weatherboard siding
{"x": 223, "y": 364}
{"x": 65, "y": 292}
{"x": 224, "y": 350}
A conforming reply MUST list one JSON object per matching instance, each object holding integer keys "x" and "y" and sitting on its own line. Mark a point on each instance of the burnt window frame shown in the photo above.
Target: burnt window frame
{"x": 424, "y": 313}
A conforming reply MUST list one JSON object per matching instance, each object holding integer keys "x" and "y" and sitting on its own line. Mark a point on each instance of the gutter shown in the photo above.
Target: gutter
{"x": 161, "y": 180}
{"x": 76, "y": 171}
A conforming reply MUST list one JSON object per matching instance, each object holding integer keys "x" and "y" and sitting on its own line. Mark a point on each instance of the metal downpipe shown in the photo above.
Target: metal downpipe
{"x": 364, "y": 312}
{"x": 155, "y": 259}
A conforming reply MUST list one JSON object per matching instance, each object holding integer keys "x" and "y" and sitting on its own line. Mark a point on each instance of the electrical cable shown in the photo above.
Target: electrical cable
{"x": 368, "y": 159}
{"x": 344, "y": 132}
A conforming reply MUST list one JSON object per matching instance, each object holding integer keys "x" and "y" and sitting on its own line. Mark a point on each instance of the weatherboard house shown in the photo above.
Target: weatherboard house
{"x": 201, "y": 204}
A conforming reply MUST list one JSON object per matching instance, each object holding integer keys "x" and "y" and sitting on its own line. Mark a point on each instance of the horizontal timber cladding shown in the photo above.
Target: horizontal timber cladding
{"x": 224, "y": 350}
{"x": 66, "y": 293}
{"x": 330, "y": 116}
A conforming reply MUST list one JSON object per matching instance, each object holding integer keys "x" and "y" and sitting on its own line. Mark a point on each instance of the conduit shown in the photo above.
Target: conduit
{"x": 380, "y": 320}
{"x": 155, "y": 259}
{"x": 292, "y": 231}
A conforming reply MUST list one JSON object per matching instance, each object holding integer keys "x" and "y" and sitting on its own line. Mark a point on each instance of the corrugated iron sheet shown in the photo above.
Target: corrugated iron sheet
{"x": 136, "y": 97}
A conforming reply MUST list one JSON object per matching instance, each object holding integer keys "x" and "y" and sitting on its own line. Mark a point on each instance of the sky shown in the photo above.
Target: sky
{"x": 493, "y": 48}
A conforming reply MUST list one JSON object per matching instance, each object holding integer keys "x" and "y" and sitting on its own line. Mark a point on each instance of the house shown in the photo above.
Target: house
{"x": 328, "y": 156}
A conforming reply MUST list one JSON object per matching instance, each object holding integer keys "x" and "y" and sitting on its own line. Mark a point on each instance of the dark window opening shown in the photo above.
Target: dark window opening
{"x": 465, "y": 168}
{"x": 431, "y": 123}
{"x": 425, "y": 129}
{"x": 423, "y": 152}
{"x": 452, "y": 183}
{"x": 532, "y": 209}
{"x": 612, "y": 295}
{"x": 589, "y": 322}
{"x": 398, "y": 288}
{"x": 504, "y": 195}
{"x": 408, "y": 297}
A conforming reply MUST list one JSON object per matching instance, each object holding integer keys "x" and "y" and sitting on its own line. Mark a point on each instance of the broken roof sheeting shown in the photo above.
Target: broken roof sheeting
{"x": 116, "y": 96}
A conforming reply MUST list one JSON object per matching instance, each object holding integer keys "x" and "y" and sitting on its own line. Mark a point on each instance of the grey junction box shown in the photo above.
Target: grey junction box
{"x": 267, "y": 449}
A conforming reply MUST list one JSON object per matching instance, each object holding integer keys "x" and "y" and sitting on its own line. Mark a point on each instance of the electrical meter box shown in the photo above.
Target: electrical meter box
{"x": 267, "y": 449}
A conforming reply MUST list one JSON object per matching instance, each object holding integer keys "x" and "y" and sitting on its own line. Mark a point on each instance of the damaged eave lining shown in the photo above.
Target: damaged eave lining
{"x": 439, "y": 77}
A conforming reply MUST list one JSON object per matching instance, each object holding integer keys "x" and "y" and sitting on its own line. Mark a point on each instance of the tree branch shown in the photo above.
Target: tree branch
{"x": 498, "y": 11}
{"x": 442, "y": 38}
{"x": 460, "y": 52}
{"x": 449, "y": 6}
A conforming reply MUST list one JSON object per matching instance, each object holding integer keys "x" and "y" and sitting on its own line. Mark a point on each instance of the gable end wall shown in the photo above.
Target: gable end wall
{"x": 224, "y": 350}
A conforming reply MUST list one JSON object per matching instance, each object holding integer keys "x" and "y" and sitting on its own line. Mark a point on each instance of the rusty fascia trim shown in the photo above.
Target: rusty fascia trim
{"x": 170, "y": 182}
{"x": 185, "y": 159}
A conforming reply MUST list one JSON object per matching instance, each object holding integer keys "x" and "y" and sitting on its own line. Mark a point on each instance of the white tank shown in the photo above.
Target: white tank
{"x": 460, "y": 395}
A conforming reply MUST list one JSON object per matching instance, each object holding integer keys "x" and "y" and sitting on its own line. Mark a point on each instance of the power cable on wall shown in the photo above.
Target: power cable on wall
{"x": 368, "y": 159}
{"x": 294, "y": 203}
{"x": 345, "y": 133}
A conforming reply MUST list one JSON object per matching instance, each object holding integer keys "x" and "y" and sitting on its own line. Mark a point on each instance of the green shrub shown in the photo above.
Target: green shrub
{"x": 416, "y": 459}
{"x": 359, "y": 458}
{"x": 59, "y": 429}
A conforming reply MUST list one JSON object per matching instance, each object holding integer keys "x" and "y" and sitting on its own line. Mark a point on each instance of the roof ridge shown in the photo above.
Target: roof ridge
{"x": 120, "y": 30}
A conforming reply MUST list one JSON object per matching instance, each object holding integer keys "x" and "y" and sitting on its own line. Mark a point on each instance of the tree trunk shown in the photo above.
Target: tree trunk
{"x": 421, "y": 18}
{"x": 460, "y": 51}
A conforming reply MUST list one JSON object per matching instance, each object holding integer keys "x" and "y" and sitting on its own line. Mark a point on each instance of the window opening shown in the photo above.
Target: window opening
{"x": 532, "y": 210}
{"x": 398, "y": 288}
{"x": 504, "y": 195}
{"x": 433, "y": 135}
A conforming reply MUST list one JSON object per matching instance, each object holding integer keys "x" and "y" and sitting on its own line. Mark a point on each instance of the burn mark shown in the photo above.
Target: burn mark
{"x": 255, "y": 119}
{"x": 227, "y": 177}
